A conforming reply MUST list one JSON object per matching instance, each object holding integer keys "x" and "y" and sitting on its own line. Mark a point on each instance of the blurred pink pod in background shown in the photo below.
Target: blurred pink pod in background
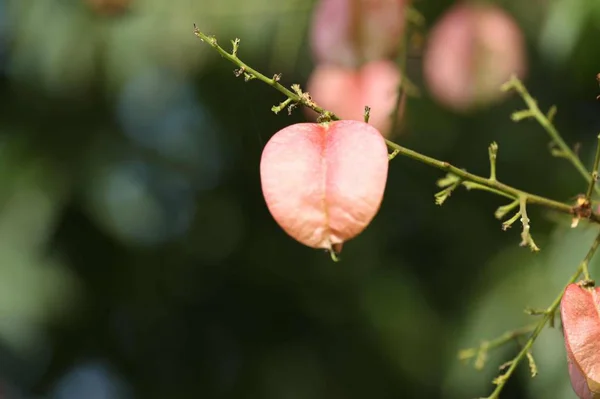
{"x": 109, "y": 7}
{"x": 580, "y": 314}
{"x": 352, "y": 32}
{"x": 346, "y": 91}
{"x": 471, "y": 51}
{"x": 324, "y": 183}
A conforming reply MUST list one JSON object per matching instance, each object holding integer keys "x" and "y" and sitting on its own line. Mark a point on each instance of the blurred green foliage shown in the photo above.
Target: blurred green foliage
{"x": 137, "y": 258}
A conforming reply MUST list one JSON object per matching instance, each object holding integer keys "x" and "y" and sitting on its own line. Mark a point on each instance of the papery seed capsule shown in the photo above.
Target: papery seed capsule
{"x": 324, "y": 183}
{"x": 346, "y": 92}
{"x": 351, "y": 32}
{"x": 471, "y": 51}
{"x": 580, "y": 314}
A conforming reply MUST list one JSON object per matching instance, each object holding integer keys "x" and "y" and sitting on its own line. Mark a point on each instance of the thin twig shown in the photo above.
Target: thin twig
{"x": 405, "y": 87}
{"x": 481, "y": 351}
{"x": 526, "y": 238}
{"x": 545, "y": 121}
{"x": 298, "y": 97}
{"x": 592, "y": 185}
{"x": 493, "y": 155}
{"x": 521, "y": 198}
{"x": 548, "y": 315}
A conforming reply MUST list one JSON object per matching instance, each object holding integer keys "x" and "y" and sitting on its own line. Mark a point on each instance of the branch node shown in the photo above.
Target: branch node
{"x": 556, "y": 152}
{"x": 507, "y": 224}
{"x": 535, "y": 312}
{"x": 504, "y": 209}
{"x": 551, "y": 113}
{"x": 447, "y": 180}
{"x": 449, "y": 183}
{"x": 493, "y": 154}
{"x": 482, "y": 356}
{"x": 205, "y": 38}
{"x": 305, "y": 97}
{"x": 546, "y": 122}
{"x": 594, "y": 174}
{"x": 576, "y": 148}
{"x": 582, "y": 208}
{"x": 505, "y": 365}
{"x": 587, "y": 283}
{"x": 469, "y": 185}
{"x": 239, "y": 72}
{"x": 334, "y": 252}
{"x": 296, "y": 89}
{"x": 291, "y": 108}
{"x": 278, "y": 108}
{"x": 532, "y": 366}
{"x": 502, "y": 378}
{"x": 511, "y": 84}
{"x": 522, "y": 114}
{"x": 526, "y": 239}
{"x": 326, "y": 116}
{"x": 551, "y": 316}
{"x": 236, "y": 45}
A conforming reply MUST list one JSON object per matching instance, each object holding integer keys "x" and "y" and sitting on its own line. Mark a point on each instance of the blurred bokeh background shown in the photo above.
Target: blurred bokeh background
{"x": 137, "y": 256}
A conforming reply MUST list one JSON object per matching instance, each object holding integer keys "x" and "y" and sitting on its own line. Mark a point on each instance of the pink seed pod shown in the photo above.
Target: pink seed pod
{"x": 580, "y": 314}
{"x": 346, "y": 91}
{"x": 351, "y": 32}
{"x": 324, "y": 183}
{"x": 471, "y": 51}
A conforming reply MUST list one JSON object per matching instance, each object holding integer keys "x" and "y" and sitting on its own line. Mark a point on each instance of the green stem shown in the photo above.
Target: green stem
{"x": 546, "y": 123}
{"x": 304, "y": 99}
{"x": 273, "y": 82}
{"x": 549, "y": 314}
{"x": 493, "y": 154}
{"x": 527, "y": 240}
{"x": 401, "y": 91}
{"x": 497, "y": 342}
{"x": 594, "y": 178}
{"x": 490, "y": 184}
{"x": 476, "y": 186}
{"x": 507, "y": 190}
